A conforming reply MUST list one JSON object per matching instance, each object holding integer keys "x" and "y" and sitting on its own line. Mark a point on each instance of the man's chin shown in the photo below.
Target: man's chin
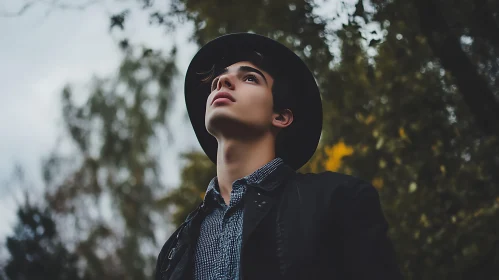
{"x": 229, "y": 127}
{"x": 222, "y": 122}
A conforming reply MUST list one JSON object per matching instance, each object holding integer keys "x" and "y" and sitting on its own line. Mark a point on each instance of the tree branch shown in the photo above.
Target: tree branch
{"x": 53, "y": 4}
{"x": 20, "y": 12}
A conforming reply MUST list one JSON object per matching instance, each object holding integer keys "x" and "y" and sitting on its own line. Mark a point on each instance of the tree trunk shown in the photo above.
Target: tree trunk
{"x": 446, "y": 46}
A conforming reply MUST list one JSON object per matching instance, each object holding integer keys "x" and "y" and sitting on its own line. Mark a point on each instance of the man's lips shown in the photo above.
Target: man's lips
{"x": 224, "y": 95}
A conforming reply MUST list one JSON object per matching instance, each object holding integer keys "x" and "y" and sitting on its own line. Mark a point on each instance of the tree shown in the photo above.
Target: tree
{"x": 36, "y": 250}
{"x": 107, "y": 194}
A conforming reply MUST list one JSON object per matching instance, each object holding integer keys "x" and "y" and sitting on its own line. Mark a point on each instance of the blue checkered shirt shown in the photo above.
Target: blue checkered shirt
{"x": 218, "y": 249}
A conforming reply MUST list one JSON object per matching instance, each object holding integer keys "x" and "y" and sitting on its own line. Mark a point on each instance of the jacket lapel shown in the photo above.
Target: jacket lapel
{"x": 256, "y": 206}
{"x": 260, "y": 198}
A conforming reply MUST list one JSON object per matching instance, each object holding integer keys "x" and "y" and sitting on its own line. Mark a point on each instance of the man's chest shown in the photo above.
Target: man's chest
{"x": 217, "y": 253}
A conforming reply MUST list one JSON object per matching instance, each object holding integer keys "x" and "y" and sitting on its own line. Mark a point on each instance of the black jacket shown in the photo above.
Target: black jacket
{"x": 299, "y": 226}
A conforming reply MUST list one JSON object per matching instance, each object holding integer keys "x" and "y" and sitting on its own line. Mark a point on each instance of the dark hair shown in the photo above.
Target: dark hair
{"x": 281, "y": 89}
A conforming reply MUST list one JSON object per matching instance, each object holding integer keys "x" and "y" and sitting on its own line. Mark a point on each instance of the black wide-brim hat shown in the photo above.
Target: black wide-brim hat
{"x": 302, "y": 136}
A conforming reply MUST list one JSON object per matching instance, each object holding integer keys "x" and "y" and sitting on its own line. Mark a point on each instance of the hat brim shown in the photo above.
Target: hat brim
{"x": 302, "y": 137}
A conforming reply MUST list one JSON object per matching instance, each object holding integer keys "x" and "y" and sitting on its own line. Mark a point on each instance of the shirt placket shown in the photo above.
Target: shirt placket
{"x": 228, "y": 231}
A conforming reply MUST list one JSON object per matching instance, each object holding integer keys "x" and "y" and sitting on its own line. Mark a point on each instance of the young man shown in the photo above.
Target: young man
{"x": 256, "y": 111}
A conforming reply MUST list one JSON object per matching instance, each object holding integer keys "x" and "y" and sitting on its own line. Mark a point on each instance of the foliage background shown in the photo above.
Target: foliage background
{"x": 411, "y": 103}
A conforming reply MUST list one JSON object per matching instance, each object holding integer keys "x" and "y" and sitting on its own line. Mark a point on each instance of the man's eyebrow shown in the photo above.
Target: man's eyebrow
{"x": 251, "y": 69}
{"x": 242, "y": 69}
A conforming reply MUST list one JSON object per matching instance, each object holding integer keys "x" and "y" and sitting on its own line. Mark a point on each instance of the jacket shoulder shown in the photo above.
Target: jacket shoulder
{"x": 329, "y": 179}
{"x": 333, "y": 184}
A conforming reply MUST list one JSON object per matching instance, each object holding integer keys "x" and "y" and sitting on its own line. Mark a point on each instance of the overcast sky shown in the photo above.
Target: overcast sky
{"x": 40, "y": 52}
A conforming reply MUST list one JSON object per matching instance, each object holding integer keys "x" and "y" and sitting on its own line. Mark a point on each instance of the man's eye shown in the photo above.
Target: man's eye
{"x": 251, "y": 78}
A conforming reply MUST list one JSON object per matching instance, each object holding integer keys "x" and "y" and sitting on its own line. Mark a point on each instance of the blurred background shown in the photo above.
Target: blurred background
{"x": 99, "y": 162}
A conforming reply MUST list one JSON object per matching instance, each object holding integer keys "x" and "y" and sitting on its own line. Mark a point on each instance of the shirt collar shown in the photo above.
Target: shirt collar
{"x": 262, "y": 178}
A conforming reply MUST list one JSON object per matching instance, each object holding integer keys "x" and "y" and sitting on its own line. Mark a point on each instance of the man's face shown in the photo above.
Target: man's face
{"x": 240, "y": 99}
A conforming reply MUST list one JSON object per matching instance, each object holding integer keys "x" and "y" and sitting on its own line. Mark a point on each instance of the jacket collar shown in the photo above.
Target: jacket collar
{"x": 274, "y": 179}
{"x": 266, "y": 178}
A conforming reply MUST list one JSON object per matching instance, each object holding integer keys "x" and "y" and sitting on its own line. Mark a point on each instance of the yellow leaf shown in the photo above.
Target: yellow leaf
{"x": 417, "y": 234}
{"x": 479, "y": 212}
{"x": 377, "y": 183}
{"x": 364, "y": 148}
{"x": 335, "y": 154}
{"x": 380, "y": 142}
{"x": 413, "y": 187}
{"x": 402, "y": 133}
{"x": 442, "y": 169}
{"x": 424, "y": 220}
{"x": 369, "y": 119}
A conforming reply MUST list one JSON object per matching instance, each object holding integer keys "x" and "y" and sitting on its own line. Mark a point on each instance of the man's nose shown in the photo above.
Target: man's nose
{"x": 225, "y": 81}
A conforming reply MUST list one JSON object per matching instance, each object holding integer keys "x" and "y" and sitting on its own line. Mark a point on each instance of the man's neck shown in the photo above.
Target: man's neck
{"x": 237, "y": 159}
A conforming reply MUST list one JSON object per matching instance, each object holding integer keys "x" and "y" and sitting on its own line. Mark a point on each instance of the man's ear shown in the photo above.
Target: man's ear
{"x": 282, "y": 119}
